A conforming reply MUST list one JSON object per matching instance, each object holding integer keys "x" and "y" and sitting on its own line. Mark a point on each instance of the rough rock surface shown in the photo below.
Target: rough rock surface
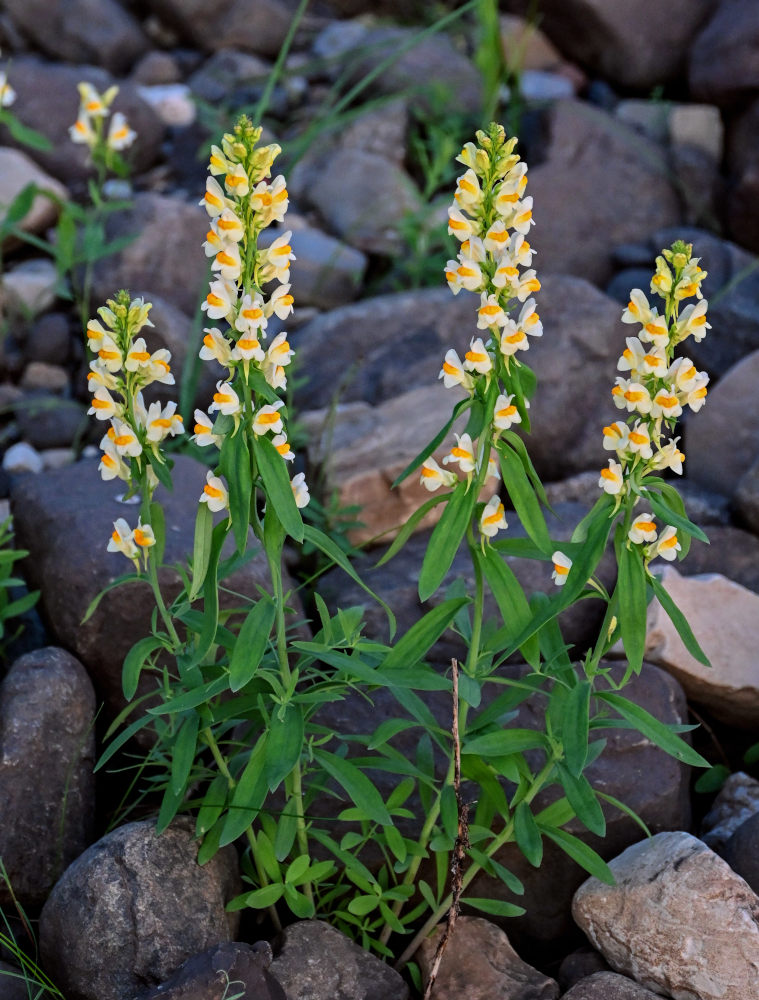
{"x": 609, "y": 986}
{"x": 479, "y": 963}
{"x": 747, "y": 498}
{"x": 723, "y": 58}
{"x": 726, "y": 418}
{"x": 678, "y": 920}
{"x": 737, "y": 801}
{"x": 71, "y": 567}
{"x": 259, "y": 27}
{"x": 325, "y": 273}
{"x": 129, "y": 911}
{"x": 742, "y": 851}
{"x": 16, "y": 171}
{"x": 316, "y": 961}
{"x": 215, "y": 973}
{"x": 165, "y": 257}
{"x": 609, "y": 43}
{"x": 102, "y": 32}
{"x": 732, "y": 552}
{"x": 621, "y": 192}
{"x": 723, "y": 617}
{"x": 47, "y": 786}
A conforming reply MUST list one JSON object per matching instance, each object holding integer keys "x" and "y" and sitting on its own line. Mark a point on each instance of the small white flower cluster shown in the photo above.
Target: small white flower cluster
{"x": 239, "y": 294}
{"x": 122, "y": 368}
{"x": 88, "y": 128}
{"x": 491, "y": 218}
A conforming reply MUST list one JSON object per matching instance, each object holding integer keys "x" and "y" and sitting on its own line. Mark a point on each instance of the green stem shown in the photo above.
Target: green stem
{"x": 504, "y": 837}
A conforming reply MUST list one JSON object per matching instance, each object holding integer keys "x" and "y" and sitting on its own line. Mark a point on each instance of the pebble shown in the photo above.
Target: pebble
{"x": 22, "y": 457}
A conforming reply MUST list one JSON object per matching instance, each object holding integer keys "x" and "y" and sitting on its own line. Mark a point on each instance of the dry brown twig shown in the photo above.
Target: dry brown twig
{"x": 460, "y": 846}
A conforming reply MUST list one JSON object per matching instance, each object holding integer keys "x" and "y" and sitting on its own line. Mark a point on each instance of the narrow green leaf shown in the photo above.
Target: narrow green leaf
{"x": 445, "y": 540}
{"x": 261, "y": 899}
{"x": 297, "y": 869}
{"x": 287, "y": 828}
{"x": 207, "y": 636}
{"x": 170, "y": 805}
{"x": 665, "y": 512}
{"x": 21, "y": 604}
{"x": 158, "y": 524}
{"x": 410, "y": 526}
{"x": 359, "y": 906}
{"x": 575, "y": 727}
{"x": 523, "y": 497}
{"x": 527, "y": 834}
{"x": 212, "y": 806}
{"x": 248, "y": 796}
{"x": 626, "y": 810}
{"x": 653, "y": 729}
{"x": 511, "y": 600}
{"x": 27, "y": 136}
{"x": 183, "y": 756}
{"x": 118, "y": 582}
{"x": 504, "y": 742}
{"x": 585, "y": 856}
{"x": 191, "y": 699}
{"x": 411, "y": 648}
{"x": 273, "y": 469}
{"x": 251, "y": 644}
{"x": 201, "y": 551}
{"x": 497, "y": 907}
{"x": 582, "y": 799}
{"x": 284, "y": 746}
{"x": 679, "y": 620}
{"x": 134, "y": 661}
{"x": 631, "y": 604}
{"x": 359, "y": 788}
{"x": 234, "y": 465}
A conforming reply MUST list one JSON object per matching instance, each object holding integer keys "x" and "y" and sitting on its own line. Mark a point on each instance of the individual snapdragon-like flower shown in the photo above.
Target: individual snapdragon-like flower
{"x": 282, "y": 445}
{"x": 203, "y": 431}
{"x": 433, "y": 477}
{"x": 463, "y": 453}
{"x": 120, "y": 135}
{"x": 225, "y": 400}
{"x": 561, "y": 567}
{"x": 214, "y": 493}
{"x": 300, "y": 490}
{"x": 122, "y": 540}
{"x": 268, "y": 418}
{"x": 611, "y": 480}
{"x": 477, "y": 358}
{"x": 215, "y": 347}
{"x": 452, "y": 373}
{"x": 493, "y": 518}
{"x": 7, "y": 93}
{"x": 643, "y": 529}
{"x": 667, "y": 545}
{"x": 505, "y": 413}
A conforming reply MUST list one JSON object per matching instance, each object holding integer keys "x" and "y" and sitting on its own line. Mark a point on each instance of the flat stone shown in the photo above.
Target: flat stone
{"x": 21, "y": 458}
{"x": 47, "y": 785}
{"x": 727, "y": 417}
{"x": 29, "y": 288}
{"x": 102, "y": 32}
{"x": 737, "y": 801}
{"x": 601, "y": 184}
{"x": 611, "y": 45}
{"x": 722, "y": 616}
{"x": 48, "y": 101}
{"x": 260, "y": 28}
{"x": 732, "y": 552}
{"x": 39, "y": 375}
{"x": 156, "y": 67}
{"x": 131, "y": 909}
{"x": 723, "y": 58}
{"x": 699, "y": 126}
{"x": 480, "y": 963}
{"x": 678, "y": 920}
{"x": 172, "y": 102}
{"x": 16, "y": 171}
{"x": 210, "y": 975}
{"x": 49, "y": 422}
{"x": 71, "y": 567}
{"x": 608, "y": 986}
{"x": 316, "y": 961}
{"x": 157, "y": 222}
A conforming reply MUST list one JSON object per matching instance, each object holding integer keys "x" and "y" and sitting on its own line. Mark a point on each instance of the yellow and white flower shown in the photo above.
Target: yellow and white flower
{"x": 221, "y": 301}
{"x": 452, "y": 373}
{"x": 668, "y": 544}
{"x": 236, "y": 181}
{"x": 493, "y": 517}
{"x": 477, "y": 358}
{"x": 505, "y": 413}
{"x": 203, "y": 431}
{"x": 159, "y": 369}
{"x": 611, "y": 479}
{"x": 561, "y": 567}
{"x": 7, "y": 93}
{"x": 666, "y": 404}
{"x": 112, "y": 465}
{"x": 215, "y": 347}
{"x": 280, "y": 302}
{"x": 276, "y": 260}
{"x": 692, "y": 321}
{"x": 433, "y": 477}
{"x": 122, "y": 539}
{"x": 460, "y": 226}
{"x": 225, "y": 400}
{"x": 463, "y": 453}
{"x": 669, "y": 457}
{"x": 638, "y": 309}
{"x": 268, "y": 419}
{"x": 162, "y": 422}
{"x": 120, "y": 135}
{"x": 214, "y": 493}
{"x": 251, "y": 315}
{"x": 490, "y": 312}
{"x": 639, "y": 440}
{"x": 229, "y": 226}
{"x": 137, "y": 356}
{"x": 144, "y": 536}
{"x": 468, "y": 191}
{"x": 616, "y": 436}
{"x": 300, "y": 489}
{"x": 643, "y": 529}
{"x": 124, "y": 439}
{"x": 215, "y": 201}
{"x": 227, "y": 262}
{"x": 104, "y": 406}
{"x": 282, "y": 445}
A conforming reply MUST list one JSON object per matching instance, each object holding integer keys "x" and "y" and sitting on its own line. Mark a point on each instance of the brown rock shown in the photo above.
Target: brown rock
{"x": 47, "y": 786}
{"x": 728, "y": 417}
{"x": 133, "y": 908}
{"x": 210, "y": 975}
{"x": 678, "y": 920}
{"x": 722, "y": 616}
{"x": 316, "y": 961}
{"x": 608, "y": 986}
{"x": 601, "y": 184}
{"x": 16, "y": 171}
{"x": 610, "y": 41}
{"x": 732, "y": 552}
{"x": 724, "y": 58}
{"x": 747, "y": 498}
{"x": 94, "y": 31}
{"x": 479, "y": 963}
{"x": 259, "y": 27}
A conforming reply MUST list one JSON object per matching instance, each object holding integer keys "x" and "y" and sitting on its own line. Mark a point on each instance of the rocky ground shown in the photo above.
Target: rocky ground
{"x": 640, "y": 124}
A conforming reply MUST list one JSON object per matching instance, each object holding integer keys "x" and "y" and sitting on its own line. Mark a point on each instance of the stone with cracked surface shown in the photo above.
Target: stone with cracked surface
{"x": 678, "y": 920}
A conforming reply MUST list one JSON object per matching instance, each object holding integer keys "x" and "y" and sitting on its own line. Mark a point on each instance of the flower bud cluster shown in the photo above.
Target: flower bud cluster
{"x": 655, "y": 387}
{"x": 122, "y": 368}
{"x": 491, "y": 218}
{"x": 89, "y": 127}
{"x": 250, "y": 285}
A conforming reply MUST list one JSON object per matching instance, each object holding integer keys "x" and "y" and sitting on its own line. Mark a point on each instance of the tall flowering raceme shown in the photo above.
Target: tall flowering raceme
{"x": 491, "y": 218}
{"x": 653, "y": 390}
{"x": 249, "y": 286}
{"x": 89, "y": 129}
{"x": 121, "y": 369}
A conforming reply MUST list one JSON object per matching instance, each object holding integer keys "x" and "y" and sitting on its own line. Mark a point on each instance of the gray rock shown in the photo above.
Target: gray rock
{"x": 326, "y": 273}
{"x": 101, "y": 32}
{"x": 48, "y": 339}
{"x": 71, "y": 567}
{"x": 157, "y": 67}
{"x": 145, "y": 266}
{"x": 678, "y": 920}
{"x": 22, "y": 457}
{"x": 580, "y": 964}
{"x": 47, "y": 422}
{"x": 723, "y": 58}
{"x": 743, "y": 161}
{"x": 632, "y": 277}
{"x": 128, "y": 912}
{"x": 47, "y": 100}
{"x": 731, "y": 552}
{"x": 172, "y": 102}
{"x": 730, "y": 415}
{"x": 737, "y": 801}
{"x": 381, "y": 131}
{"x": 30, "y": 287}
{"x": 47, "y": 785}
{"x": 742, "y": 851}
{"x": 13, "y": 984}
{"x": 747, "y": 498}
{"x": 609, "y": 986}
{"x": 480, "y": 963}
{"x": 732, "y": 289}
{"x": 226, "y": 72}
{"x": 318, "y": 962}
{"x": 431, "y": 70}
{"x": 539, "y": 86}
{"x": 365, "y": 200}
{"x": 40, "y": 376}
{"x": 260, "y": 27}
{"x": 215, "y": 973}
{"x": 601, "y": 184}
